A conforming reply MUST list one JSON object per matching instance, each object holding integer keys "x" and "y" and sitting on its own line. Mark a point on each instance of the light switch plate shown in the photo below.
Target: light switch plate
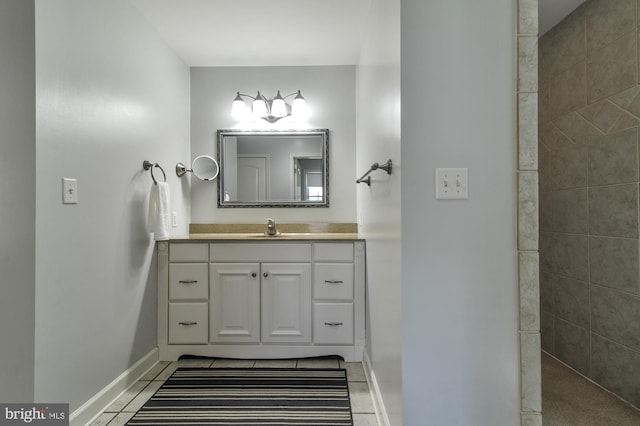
{"x": 452, "y": 184}
{"x": 69, "y": 191}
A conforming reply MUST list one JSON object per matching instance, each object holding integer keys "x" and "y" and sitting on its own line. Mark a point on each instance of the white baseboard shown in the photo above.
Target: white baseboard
{"x": 376, "y": 396}
{"x": 96, "y": 404}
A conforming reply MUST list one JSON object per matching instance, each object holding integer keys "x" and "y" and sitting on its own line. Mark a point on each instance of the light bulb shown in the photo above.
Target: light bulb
{"x": 299, "y": 107}
{"x": 259, "y": 107}
{"x": 238, "y": 107}
{"x": 278, "y": 106}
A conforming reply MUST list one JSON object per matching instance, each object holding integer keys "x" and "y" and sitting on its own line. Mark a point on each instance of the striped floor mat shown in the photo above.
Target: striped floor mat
{"x": 248, "y": 397}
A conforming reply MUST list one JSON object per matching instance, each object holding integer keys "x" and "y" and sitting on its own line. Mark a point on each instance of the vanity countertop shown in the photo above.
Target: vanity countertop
{"x": 253, "y": 236}
{"x": 255, "y": 232}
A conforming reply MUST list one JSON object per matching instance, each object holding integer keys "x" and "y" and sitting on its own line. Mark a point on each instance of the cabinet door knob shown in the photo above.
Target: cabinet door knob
{"x": 188, "y": 323}
{"x": 253, "y": 274}
{"x": 266, "y": 274}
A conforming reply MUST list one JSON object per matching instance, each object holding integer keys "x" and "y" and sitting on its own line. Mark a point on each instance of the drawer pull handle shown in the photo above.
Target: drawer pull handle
{"x": 333, "y": 324}
{"x": 188, "y": 281}
{"x": 333, "y": 281}
{"x": 188, "y": 323}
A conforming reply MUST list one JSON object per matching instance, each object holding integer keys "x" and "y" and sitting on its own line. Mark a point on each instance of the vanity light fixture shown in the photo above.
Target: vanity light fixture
{"x": 270, "y": 110}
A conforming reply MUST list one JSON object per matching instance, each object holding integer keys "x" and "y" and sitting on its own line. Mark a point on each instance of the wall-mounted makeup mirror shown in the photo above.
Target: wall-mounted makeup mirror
{"x": 204, "y": 167}
{"x": 273, "y": 168}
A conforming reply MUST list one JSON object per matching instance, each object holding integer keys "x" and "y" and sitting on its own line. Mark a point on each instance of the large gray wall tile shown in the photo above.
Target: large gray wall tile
{"x": 544, "y": 87}
{"x": 580, "y": 130}
{"x": 612, "y": 68}
{"x": 572, "y": 345}
{"x": 603, "y": 114}
{"x": 568, "y": 90}
{"x": 571, "y": 299}
{"x": 614, "y": 263}
{"x": 616, "y": 367}
{"x": 544, "y": 167}
{"x": 613, "y": 211}
{"x": 546, "y": 329}
{"x": 545, "y": 212}
{"x": 552, "y": 136}
{"x": 565, "y": 45}
{"x": 616, "y": 316}
{"x": 571, "y": 256}
{"x": 547, "y": 245}
{"x": 569, "y": 166}
{"x": 570, "y": 211}
{"x": 607, "y": 20}
{"x": 547, "y": 282}
{"x": 614, "y": 159}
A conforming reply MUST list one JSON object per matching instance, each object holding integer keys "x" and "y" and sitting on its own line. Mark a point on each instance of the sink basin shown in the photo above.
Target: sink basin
{"x": 279, "y": 235}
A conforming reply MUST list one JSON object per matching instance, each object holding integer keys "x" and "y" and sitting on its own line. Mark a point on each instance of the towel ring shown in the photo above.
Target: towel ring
{"x": 147, "y": 165}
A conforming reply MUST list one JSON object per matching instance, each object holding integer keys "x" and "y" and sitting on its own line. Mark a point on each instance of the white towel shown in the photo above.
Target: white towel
{"x": 159, "y": 214}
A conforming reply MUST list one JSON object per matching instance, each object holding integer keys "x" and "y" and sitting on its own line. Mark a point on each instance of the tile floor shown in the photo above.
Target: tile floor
{"x": 123, "y": 408}
{"x": 569, "y": 399}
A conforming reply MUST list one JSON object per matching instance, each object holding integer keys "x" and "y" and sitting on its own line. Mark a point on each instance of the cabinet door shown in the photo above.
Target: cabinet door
{"x": 286, "y": 302}
{"x": 234, "y": 302}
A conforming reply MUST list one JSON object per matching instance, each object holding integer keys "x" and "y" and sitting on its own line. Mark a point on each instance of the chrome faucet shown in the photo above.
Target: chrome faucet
{"x": 271, "y": 228}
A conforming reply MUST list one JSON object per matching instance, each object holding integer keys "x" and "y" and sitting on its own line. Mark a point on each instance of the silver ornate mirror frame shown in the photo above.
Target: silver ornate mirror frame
{"x": 227, "y": 154}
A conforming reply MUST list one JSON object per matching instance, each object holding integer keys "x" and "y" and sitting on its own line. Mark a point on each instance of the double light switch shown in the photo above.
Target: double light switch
{"x": 452, "y": 184}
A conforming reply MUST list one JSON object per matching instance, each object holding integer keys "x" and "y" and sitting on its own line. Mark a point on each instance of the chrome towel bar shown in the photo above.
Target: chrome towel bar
{"x": 375, "y": 166}
{"x": 148, "y": 165}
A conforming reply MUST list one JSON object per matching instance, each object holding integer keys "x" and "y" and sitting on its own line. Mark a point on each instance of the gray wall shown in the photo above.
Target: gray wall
{"x": 17, "y": 199}
{"x": 110, "y": 94}
{"x": 330, "y": 94}
{"x": 589, "y": 118}
{"x": 459, "y": 266}
{"x": 378, "y": 89}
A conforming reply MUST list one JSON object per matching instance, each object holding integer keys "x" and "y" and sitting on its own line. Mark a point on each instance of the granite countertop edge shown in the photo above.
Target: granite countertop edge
{"x": 255, "y": 232}
{"x": 253, "y": 237}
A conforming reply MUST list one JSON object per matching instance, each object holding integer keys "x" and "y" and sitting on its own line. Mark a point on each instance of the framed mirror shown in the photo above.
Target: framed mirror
{"x": 273, "y": 168}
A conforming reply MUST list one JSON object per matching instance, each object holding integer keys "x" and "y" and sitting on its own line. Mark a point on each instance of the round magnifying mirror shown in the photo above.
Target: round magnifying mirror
{"x": 205, "y": 167}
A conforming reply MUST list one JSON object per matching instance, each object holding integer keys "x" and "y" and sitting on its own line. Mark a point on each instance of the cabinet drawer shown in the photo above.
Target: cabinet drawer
{"x": 333, "y": 281}
{"x": 188, "y": 323}
{"x": 270, "y": 252}
{"x": 188, "y": 252}
{"x": 188, "y": 281}
{"x": 333, "y": 323}
{"x": 333, "y": 252}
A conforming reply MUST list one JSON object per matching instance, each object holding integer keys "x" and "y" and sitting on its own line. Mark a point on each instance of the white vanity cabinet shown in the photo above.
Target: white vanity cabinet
{"x": 261, "y": 299}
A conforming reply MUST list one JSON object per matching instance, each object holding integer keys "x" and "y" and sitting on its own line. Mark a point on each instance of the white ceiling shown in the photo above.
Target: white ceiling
{"x": 258, "y": 32}
{"x": 277, "y": 32}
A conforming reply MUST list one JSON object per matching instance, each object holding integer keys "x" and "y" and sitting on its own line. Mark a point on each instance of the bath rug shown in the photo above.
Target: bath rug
{"x": 249, "y": 397}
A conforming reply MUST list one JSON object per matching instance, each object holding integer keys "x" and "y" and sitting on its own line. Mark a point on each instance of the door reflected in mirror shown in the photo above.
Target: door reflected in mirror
{"x": 273, "y": 168}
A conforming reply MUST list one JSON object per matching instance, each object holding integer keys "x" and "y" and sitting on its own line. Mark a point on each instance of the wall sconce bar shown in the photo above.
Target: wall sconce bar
{"x": 269, "y": 110}
{"x": 387, "y": 167}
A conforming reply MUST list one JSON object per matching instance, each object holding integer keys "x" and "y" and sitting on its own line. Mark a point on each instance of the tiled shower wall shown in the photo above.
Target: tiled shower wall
{"x": 589, "y": 114}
